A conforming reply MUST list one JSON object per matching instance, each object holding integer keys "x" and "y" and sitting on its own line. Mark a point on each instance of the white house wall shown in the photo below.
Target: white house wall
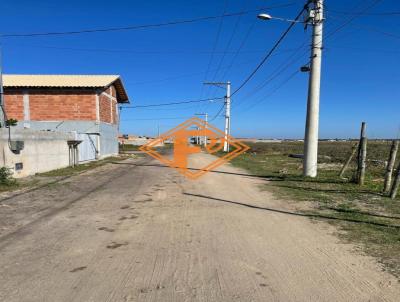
{"x": 42, "y": 152}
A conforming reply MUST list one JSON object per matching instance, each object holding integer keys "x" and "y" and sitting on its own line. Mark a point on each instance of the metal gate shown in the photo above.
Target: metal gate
{"x": 88, "y": 147}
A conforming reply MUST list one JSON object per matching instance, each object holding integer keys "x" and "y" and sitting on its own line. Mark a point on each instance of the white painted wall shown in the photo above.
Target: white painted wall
{"x": 108, "y": 133}
{"x": 43, "y": 151}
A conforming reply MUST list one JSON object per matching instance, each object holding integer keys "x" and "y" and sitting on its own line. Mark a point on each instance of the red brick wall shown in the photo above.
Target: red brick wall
{"x": 14, "y": 105}
{"x": 105, "y": 109}
{"x": 107, "y": 106}
{"x": 53, "y": 105}
{"x": 62, "y": 104}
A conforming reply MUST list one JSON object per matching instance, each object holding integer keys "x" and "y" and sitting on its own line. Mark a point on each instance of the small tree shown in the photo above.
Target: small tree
{"x": 6, "y": 176}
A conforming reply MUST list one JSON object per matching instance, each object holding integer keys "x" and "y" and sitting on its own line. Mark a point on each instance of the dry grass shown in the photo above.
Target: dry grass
{"x": 368, "y": 218}
{"x": 68, "y": 171}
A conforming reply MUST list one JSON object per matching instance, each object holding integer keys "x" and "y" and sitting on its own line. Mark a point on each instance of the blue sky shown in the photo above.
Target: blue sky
{"x": 360, "y": 77}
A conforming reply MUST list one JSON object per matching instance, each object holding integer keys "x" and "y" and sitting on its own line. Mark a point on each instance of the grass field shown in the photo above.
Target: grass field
{"x": 128, "y": 147}
{"x": 363, "y": 214}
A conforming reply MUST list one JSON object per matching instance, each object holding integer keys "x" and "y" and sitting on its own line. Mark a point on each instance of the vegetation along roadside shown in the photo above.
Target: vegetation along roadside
{"x": 364, "y": 215}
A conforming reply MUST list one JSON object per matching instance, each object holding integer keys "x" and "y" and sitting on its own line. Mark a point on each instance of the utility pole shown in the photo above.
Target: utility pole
{"x": 311, "y": 132}
{"x": 227, "y": 110}
{"x": 206, "y": 119}
{"x": 2, "y": 110}
{"x": 205, "y": 134}
{"x": 227, "y": 116}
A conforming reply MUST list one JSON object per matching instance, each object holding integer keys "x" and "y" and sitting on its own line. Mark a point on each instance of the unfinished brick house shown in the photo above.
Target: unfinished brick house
{"x": 84, "y": 104}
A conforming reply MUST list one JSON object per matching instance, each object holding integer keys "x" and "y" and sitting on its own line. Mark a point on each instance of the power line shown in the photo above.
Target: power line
{"x": 363, "y": 14}
{"x": 223, "y": 57}
{"x": 139, "y": 27}
{"x": 352, "y": 18}
{"x": 330, "y": 34}
{"x": 284, "y": 82}
{"x": 227, "y": 47}
{"x": 182, "y": 75}
{"x": 214, "y": 46}
{"x": 278, "y": 71}
{"x": 130, "y": 51}
{"x": 282, "y": 67}
{"x": 218, "y": 113}
{"x": 239, "y": 50}
{"x": 174, "y": 103}
{"x": 382, "y": 50}
{"x": 156, "y": 119}
{"x": 373, "y": 29}
{"x": 167, "y": 109}
{"x": 271, "y": 51}
{"x": 187, "y": 75}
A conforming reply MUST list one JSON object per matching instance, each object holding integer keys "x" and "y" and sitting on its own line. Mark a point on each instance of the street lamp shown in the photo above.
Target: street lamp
{"x": 316, "y": 19}
{"x": 264, "y": 17}
{"x": 267, "y": 17}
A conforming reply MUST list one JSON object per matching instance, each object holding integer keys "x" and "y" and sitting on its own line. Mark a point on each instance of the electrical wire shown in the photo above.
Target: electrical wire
{"x": 167, "y": 109}
{"x": 6, "y": 126}
{"x": 364, "y": 14}
{"x": 156, "y": 119}
{"x": 365, "y": 49}
{"x": 239, "y": 50}
{"x": 173, "y": 103}
{"x": 223, "y": 58}
{"x": 131, "y": 51}
{"x": 139, "y": 27}
{"x": 5, "y": 118}
{"x": 290, "y": 77}
{"x": 277, "y": 72}
{"x": 373, "y": 29}
{"x": 329, "y": 35}
{"x": 268, "y": 55}
{"x": 214, "y": 48}
{"x": 235, "y": 27}
{"x": 352, "y": 19}
{"x": 179, "y": 76}
{"x": 218, "y": 113}
{"x": 241, "y": 45}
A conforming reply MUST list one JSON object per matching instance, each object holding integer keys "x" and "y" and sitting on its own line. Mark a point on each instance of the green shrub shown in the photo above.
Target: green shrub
{"x": 6, "y": 176}
{"x": 11, "y": 122}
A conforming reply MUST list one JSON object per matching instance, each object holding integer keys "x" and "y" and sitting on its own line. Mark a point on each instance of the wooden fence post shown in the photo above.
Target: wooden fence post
{"x": 346, "y": 165}
{"x": 362, "y": 155}
{"x": 390, "y": 166}
{"x": 396, "y": 184}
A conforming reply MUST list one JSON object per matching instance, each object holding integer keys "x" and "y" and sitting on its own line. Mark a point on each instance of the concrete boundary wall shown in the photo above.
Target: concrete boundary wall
{"x": 107, "y": 144}
{"x": 43, "y": 151}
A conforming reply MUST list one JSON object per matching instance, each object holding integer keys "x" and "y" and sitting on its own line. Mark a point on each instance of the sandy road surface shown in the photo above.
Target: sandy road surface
{"x": 138, "y": 231}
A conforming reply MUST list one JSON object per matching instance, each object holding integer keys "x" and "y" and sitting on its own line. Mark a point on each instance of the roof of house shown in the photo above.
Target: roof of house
{"x": 70, "y": 81}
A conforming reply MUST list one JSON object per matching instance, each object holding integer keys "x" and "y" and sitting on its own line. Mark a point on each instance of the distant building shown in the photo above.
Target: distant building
{"x": 128, "y": 139}
{"x": 86, "y": 105}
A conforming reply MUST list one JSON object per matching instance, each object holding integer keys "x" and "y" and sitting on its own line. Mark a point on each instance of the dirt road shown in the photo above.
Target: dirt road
{"x": 138, "y": 231}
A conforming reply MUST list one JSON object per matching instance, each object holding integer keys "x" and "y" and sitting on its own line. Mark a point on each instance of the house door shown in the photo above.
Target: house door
{"x": 87, "y": 148}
